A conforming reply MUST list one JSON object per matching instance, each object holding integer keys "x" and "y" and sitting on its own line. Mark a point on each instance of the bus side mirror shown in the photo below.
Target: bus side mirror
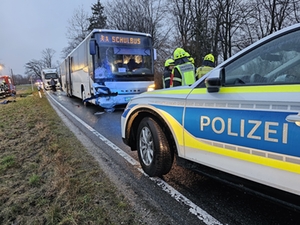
{"x": 92, "y": 47}
{"x": 154, "y": 54}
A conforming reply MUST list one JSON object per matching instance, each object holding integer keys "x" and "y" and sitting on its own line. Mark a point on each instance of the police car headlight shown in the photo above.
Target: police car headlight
{"x": 151, "y": 87}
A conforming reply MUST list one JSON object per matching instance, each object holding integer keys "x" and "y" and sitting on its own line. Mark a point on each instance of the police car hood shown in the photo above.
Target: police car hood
{"x": 175, "y": 92}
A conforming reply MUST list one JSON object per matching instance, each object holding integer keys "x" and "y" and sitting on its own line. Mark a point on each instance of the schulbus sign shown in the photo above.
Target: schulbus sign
{"x": 120, "y": 39}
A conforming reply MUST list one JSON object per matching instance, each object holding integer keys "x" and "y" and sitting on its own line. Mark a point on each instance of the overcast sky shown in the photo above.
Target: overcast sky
{"x": 27, "y": 27}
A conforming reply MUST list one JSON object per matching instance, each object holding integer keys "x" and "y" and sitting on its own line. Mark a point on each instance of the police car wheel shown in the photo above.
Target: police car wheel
{"x": 154, "y": 152}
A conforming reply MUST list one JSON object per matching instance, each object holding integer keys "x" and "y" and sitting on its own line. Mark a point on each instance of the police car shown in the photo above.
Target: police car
{"x": 242, "y": 118}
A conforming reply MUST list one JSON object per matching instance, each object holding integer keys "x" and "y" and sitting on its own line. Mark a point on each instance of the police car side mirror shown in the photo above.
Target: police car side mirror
{"x": 213, "y": 81}
{"x": 213, "y": 84}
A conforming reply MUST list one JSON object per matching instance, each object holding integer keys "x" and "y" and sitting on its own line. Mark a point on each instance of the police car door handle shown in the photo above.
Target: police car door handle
{"x": 293, "y": 118}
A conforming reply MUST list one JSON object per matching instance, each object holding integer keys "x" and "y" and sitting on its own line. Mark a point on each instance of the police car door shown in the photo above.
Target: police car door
{"x": 247, "y": 120}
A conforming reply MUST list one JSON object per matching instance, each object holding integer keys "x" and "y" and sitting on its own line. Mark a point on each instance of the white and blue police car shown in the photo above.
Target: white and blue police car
{"x": 242, "y": 118}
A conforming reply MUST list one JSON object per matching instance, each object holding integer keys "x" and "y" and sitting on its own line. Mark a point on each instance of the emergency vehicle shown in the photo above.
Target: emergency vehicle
{"x": 241, "y": 120}
{"x": 7, "y": 86}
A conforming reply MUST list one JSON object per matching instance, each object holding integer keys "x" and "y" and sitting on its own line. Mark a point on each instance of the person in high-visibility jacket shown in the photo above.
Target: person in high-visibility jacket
{"x": 207, "y": 65}
{"x": 183, "y": 72}
{"x": 190, "y": 58}
{"x": 169, "y": 65}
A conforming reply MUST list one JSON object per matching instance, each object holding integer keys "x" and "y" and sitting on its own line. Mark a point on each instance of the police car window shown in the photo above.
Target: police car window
{"x": 275, "y": 62}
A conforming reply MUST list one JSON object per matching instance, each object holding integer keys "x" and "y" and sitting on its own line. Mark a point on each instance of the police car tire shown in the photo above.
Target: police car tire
{"x": 162, "y": 157}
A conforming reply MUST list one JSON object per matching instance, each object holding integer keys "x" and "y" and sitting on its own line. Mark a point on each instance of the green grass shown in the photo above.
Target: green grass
{"x": 34, "y": 180}
{"x": 7, "y": 162}
{"x": 46, "y": 175}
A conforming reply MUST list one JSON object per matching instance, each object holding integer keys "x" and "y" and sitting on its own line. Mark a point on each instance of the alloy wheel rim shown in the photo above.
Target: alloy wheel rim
{"x": 146, "y": 146}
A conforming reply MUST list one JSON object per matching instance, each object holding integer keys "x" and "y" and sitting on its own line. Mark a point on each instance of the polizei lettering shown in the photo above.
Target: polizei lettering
{"x": 272, "y": 131}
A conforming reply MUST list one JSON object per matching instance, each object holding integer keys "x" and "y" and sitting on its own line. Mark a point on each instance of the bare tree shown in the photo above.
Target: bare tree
{"x": 228, "y": 15}
{"x": 19, "y": 79}
{"x": 277, "y": 14}
{"x": 295, "y": 5}
{"x": 221, "y": 27}
{"x": 246, "y": 34}
{"x": 203, "y": 30}
{"x": 77, "y": 30}
{"x": 147, "y": 16}
{"x": 224, "y": 27}
{"x": 266, "y": 17}
{"x": 47, "y": 58}
{"x": 183, "y": 17}
{"x": 125, "y": 15}
{"x": 33, "y": 68}
{"x": 197, "y": 27}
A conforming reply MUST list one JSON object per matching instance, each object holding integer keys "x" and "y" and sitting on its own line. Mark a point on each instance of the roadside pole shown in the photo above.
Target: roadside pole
{"x": 31, "y": 83}
{"x": 39, "y": 89}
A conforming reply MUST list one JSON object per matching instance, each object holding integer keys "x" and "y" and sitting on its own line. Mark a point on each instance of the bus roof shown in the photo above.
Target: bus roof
{"x": 49, "y": 70}
{"x": 120, "y": 32}
{"x": 108, "y": 31}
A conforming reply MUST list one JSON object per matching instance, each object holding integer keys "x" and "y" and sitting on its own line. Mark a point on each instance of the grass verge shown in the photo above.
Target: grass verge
{"x": 46, "y": 175}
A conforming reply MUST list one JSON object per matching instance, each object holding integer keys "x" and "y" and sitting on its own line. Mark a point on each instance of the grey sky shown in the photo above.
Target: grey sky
{"x": 27, "y": 27}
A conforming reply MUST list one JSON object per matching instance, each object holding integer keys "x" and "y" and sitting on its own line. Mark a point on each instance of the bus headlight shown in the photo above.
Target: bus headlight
{"x": 151, "y": 87}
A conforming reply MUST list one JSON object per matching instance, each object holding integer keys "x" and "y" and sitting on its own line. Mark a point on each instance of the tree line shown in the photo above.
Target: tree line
{"x": 220, "y": 27}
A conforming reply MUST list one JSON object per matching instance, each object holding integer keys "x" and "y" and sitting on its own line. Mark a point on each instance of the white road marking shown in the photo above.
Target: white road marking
{"x": 193, "y": 208}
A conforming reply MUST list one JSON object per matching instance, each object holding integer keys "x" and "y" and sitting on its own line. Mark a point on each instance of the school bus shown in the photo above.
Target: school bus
{"x": 109, "y": 67}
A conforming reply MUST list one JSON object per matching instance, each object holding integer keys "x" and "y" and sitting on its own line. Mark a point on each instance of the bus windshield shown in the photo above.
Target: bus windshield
{"x": 122, "y": 55}
{"x": 121, "y": 60}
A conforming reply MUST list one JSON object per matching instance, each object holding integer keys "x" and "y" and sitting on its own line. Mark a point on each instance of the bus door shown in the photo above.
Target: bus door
{"x": 69, "y": 80}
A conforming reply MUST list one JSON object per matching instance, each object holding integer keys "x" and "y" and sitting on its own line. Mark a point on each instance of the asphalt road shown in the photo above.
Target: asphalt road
{"x": 180, "y": 197}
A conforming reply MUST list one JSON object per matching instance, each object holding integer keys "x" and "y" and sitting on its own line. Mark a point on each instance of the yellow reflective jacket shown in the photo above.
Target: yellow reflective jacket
{"x": 185, "y": 74}
{"x": 202, "y": 70}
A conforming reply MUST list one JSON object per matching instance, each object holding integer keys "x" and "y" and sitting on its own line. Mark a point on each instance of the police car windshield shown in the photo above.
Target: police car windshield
{"x": 277, "y": 61}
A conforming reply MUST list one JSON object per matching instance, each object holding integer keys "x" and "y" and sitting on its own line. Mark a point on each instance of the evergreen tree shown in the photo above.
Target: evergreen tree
{"x": 97, "y": 20}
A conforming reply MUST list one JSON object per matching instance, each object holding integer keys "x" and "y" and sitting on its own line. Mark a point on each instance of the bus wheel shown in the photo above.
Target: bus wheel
{"x": 154, "y": 152}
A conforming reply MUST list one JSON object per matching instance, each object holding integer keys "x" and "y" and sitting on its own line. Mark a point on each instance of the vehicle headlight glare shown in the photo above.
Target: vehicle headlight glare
{"x": 151, "y": 87}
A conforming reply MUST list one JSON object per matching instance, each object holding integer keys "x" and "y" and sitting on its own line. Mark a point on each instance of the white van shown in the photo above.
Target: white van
{"x": 47, "y": 74}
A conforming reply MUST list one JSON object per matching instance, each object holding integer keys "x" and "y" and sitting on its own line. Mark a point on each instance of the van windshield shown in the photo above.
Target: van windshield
{"x": 51, "y": 75}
